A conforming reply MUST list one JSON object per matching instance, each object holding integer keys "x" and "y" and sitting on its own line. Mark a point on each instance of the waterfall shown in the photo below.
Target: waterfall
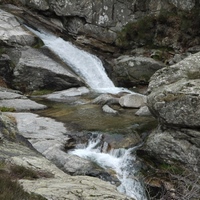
{"x": 84, "y": 64}
{"x": 121, "y": 160}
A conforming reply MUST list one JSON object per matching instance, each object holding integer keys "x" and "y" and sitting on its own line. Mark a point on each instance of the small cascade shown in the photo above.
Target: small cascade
{"x": 121, "y": 160}
{"x": 84, "y": 64}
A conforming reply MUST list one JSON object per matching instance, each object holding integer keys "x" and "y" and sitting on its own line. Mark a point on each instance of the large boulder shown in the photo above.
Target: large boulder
{"x": 174, "y": 93}
{"x": 174, "y": 100}
{"x": 12, "y": 33}
{"x": 132, "y": 70}
{"x": 173, "y": 145}
{"x": 34, "y": 70}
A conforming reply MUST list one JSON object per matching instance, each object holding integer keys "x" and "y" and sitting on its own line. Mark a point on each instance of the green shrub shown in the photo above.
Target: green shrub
{"x": 178, "y": 26}
{"x": 140, "y": 32}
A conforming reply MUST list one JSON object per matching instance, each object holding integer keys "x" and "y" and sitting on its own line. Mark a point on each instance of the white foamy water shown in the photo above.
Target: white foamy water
{"x": 120, "y": 160}
{"x": 84, "y": 64}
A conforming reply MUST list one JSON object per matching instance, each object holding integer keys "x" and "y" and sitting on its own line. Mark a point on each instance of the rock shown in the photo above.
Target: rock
{"x": 132, "y": 100}
{"x": 10, "y": 95}
{"x": 21, "y": 104}
{"x": 72, "y": 92}
{"x": 35, "y": 71}
{"x": 12, "y": 100}
{"x": 103, "y": 19}
{"x": 174, "y": 93}
{"x": 48, "y": 137}
{"x": 108, "y": 109}
{"x": 183, "y": 4}
{"x": 174, "y": 100}
{"x": 5, "y": 67}
{"x": 56, "y": 184}
{"x": 131, "y": 70}
{"x": 178, "y": 57}
{"x": 175, "y": 145}
{"x": 143, "y": 111}
{"x": 41, "y": 4}
{"x": 12, "y": 33}
{"x": 106, "y": 99}
{"x": 73, "y": 188}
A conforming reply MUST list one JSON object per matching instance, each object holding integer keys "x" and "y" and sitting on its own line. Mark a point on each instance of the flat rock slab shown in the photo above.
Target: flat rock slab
{"x": 21, "y": 104}
{"x": 13, "y": 99}
{"x": 80, "y": 187}
{"x": 10, "y": 95}
{"x": 72, "y": 92}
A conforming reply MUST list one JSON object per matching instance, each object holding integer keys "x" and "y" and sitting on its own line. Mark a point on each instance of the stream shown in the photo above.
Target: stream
{"x": 83, "y": 116}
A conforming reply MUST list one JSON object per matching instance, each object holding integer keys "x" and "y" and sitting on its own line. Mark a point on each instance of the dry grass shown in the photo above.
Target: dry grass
{"x": 10, "y": 189}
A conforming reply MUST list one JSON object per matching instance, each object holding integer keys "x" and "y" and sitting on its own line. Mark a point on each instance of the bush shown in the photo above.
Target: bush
{"x": 140, "y": 32}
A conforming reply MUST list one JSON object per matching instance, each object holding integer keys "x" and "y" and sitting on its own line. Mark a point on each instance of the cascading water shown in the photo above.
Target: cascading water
{"x": 91, "y": 70}
{"x": 84, "y": 64}
{"x": 120, "y": 160}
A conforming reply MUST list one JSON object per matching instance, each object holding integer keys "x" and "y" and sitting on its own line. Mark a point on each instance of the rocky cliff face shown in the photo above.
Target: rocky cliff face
{"x": 103, "y": 19}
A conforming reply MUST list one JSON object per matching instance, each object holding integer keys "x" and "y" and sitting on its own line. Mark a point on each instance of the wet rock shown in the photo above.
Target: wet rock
{"x": 35, "y": 71}
{"x": 133, "y": 100}
{"x": 131, "y": 70}
{"x": 143, "y": 111}
{"x": 106, "y": 99}
{"x": 12, "y": 32}
{"x": 62, "y": 95}
{"x": 108, "y": 109}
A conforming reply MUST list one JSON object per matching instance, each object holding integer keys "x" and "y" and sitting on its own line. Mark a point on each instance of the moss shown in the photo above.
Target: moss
{"x": 6, "y": 109}
{"x": 41, "y": 92}
{"x": 23, "y": 173}
{"x": 193, "y": 74}
{"x": 2, "y": 50}
{"x": 171, "y": 168}
{"x": 38, "y": 44}
{"x": 172, "y": 97}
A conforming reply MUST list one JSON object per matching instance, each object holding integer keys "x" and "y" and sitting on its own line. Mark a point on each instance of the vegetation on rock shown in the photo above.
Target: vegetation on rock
{"x": 9, "y": 187}
{"x": 172, "y": 29}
